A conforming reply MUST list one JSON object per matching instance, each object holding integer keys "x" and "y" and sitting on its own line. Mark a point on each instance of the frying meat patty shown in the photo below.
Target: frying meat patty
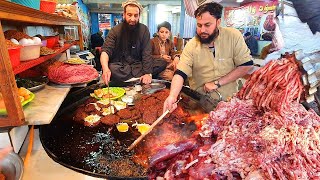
{"x": 135, "y": 114}
{"x": 91, "y": 100}
{"x": 124, "y": 114}
{"x": 89, "y": 108}
{"x": 80, "y": 114}
{"x": 110, "y": 119}
{"x": 150, "y": 115}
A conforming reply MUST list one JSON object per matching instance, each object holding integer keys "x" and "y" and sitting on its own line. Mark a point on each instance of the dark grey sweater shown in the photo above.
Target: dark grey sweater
{"x": 139, "y": 52}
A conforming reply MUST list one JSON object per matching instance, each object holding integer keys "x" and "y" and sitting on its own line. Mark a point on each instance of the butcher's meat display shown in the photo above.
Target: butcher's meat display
{"x": 71, "y": 74}
{"x": 274, "y": 86}
{"x": 263, "y": 133}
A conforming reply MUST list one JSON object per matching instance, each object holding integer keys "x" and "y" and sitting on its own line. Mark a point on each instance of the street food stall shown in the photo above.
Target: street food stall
{"x": 64, "y": 122}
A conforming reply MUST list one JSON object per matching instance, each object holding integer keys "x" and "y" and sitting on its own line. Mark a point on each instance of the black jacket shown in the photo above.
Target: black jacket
{"x": 96, "y": 40}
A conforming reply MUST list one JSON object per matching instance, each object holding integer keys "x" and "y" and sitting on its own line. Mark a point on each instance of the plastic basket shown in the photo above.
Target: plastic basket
{"x": 30, "y": 52}
{"x": 35, "y": 4}
{"x": 52, "y": 41}
{"x": 14, "y": 54}
{"x": 48, "y": 6}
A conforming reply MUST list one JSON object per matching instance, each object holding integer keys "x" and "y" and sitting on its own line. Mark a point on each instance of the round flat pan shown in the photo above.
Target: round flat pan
{"x": 71, "y": 144}
{"x": 67, "y": 142}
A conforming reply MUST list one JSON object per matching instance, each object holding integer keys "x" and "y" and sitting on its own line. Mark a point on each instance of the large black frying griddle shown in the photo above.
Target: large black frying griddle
{"x": 89, "y": 149}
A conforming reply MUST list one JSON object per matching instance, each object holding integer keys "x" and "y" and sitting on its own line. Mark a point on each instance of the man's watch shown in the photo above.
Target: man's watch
{"x": 217, "y": 84}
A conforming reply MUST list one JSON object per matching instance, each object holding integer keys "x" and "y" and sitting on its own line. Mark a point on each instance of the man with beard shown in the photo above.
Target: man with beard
{"x": 213, "y": 60}
{"x": 126, "y": 52}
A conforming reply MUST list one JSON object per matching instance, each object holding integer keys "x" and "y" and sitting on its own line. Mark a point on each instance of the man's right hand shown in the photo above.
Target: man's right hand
{"x": 170, "y": 104}
{"x": 106, "y": 75}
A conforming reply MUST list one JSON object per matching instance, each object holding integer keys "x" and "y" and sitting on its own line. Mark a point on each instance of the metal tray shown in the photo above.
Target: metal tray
{"x": 43, "y": 79}
{"x": 37, "y": 88}
{"x": 153, "y": 87}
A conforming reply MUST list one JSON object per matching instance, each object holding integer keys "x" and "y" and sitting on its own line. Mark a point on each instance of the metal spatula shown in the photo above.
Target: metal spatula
{"x": 208, "y": 103}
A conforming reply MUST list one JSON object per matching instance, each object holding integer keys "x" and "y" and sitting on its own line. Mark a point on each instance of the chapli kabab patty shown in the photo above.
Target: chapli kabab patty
{"x": 124, "y": 113}
{"x": 110, "y": 119}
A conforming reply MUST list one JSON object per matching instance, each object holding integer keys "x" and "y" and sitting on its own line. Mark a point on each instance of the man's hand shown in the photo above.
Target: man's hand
{"x": 175, "y": 62}
{"x": 170, "y": 104}
{"x": 166, "y": 57}
{"x": 209, "y": 87}
{"x": 146, "y": 79}
{"x": 106, "y": 76}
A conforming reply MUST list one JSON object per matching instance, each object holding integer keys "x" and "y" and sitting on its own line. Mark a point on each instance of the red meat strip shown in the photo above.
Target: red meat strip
{"x": 171, "y": 150}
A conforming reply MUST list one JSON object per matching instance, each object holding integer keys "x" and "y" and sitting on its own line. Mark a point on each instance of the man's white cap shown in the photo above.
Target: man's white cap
{"x": 132, "y": 2}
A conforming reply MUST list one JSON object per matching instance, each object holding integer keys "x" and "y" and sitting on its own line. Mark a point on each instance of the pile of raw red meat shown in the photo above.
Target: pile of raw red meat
{"x": 71, "y": 74}
{"x": 274, "y": 86}
{"x": 263, "y": 133}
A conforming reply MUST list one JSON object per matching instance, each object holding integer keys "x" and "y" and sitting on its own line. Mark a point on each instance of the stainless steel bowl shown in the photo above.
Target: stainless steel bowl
{"x": 153, "y": 87}
{"x": 12, "y": 167}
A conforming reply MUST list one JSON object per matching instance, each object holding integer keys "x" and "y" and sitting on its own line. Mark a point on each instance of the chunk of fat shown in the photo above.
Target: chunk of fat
{"x": 191, "y": 163}
{"x": 255, "y": 175}
{"x": 202, "y": 153}
{"x": 207, "y": 161}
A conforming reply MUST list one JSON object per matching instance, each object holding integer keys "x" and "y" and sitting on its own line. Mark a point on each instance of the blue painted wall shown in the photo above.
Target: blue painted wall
{"x": 94, "y": 23}
{"x": 84, "y": 8}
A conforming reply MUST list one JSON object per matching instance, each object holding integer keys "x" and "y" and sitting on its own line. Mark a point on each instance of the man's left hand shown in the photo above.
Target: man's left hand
{"x": 146, "y": 79}
{"x": 209, "y": 87}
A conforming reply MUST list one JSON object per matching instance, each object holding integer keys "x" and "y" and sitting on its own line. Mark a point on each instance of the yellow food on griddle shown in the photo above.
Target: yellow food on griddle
{"x": 122, "y": 127}
{"x": 142, "y": 128}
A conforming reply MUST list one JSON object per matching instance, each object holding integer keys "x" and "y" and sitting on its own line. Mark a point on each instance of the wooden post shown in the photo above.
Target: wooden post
{"x": 80, "y": 37}
{"x": 8, "y": 88}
